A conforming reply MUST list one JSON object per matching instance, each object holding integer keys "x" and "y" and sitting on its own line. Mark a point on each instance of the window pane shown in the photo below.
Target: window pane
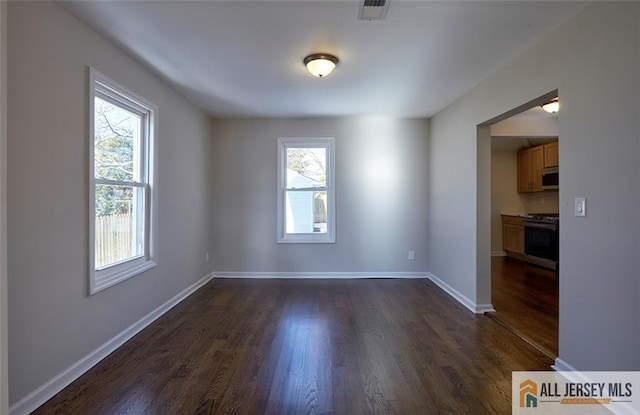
{"x": 306, "y": 167}
{"x": 117, "y": 142}
{"x": 119, "y": 224}
{"x": 306, "y": 212}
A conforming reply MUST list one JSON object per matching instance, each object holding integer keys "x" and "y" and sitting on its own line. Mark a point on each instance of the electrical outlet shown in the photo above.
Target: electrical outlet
{"x": 206, "y": 257}
{"x": 411, "y": 255}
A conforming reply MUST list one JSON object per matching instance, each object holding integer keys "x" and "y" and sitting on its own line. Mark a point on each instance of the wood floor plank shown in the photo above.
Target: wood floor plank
{"x": 380, "y": 346}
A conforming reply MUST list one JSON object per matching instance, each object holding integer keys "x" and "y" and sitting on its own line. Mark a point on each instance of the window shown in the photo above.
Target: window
{"x": 306, "y": 194}
{"x": 121, "y": 154}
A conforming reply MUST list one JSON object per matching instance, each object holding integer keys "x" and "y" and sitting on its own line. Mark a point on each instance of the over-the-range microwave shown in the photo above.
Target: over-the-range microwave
{"x": 550, "y": 178}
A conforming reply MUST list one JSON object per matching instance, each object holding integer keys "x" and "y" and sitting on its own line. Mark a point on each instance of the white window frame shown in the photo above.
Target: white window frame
{"x": 105, "y": 88}
{"x": 306, "y": 142}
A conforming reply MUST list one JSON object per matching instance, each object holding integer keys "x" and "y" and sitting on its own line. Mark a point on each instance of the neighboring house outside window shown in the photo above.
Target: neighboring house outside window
{"x": 122, "y": 177}
{"x": 306, "y": 190}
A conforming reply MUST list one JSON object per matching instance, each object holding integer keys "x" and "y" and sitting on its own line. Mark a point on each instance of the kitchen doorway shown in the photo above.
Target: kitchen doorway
{"x": 524, "y": 222}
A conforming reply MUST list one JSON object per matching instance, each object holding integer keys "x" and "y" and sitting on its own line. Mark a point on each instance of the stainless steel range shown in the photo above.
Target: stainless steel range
{"x": 541, "y": 239}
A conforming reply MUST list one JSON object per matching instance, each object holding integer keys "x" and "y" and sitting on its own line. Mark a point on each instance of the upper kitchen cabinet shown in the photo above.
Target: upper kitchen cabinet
{"x": 551, "y": 154}
{"x": 530, "y": 165}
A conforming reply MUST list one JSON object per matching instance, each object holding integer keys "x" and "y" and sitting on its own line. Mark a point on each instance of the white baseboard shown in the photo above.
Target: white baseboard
{"x": 461, "y": 298}
{"x": 574, "y": 375}
{"x": 569, "y": 372}
{"x": 498, "y": 253}
{"x": 484, "y": 308}
{"x": 562, "y": 366}
{"x": 45, "y": 392}
{"x": 318, "y": 275}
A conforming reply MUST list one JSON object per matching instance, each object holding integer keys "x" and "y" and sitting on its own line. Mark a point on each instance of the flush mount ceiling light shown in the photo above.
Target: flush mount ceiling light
{"x": 320, "y": 64}
{"x": 552, "y": 106}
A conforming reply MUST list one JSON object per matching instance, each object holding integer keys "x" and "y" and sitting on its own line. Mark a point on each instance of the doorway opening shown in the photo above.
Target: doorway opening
{"x": 522, "y": 208}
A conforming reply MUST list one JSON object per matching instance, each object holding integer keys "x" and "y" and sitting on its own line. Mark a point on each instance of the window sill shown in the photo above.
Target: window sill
{"x": 104, "y": 279}
{"x": 307, "y": 239}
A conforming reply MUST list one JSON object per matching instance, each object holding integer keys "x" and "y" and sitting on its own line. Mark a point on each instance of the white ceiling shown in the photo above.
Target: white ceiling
{"x": 244, "y": 58}
{"x": 535, "y": 112}
{"x": 513, "y": 144}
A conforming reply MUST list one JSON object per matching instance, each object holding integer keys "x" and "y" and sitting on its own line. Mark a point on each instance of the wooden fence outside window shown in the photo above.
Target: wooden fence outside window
{"x": 113, "y": 238}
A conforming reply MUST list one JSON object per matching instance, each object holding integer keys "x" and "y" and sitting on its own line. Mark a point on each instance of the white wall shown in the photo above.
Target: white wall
{"x": 381, "y": 196}
{"x": 593, "y": 58}
{"x": 505, "y": 198}
{"x": 541, "y": 202}
{"x": 4, "y": 389}
{"x": 52, "y": 321}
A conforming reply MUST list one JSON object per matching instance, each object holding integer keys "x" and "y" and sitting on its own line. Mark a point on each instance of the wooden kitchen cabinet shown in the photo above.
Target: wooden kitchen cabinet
{"x": 513, "y": 234}
{"x": 530, "y": 164}
{"x": 551, "y": 155}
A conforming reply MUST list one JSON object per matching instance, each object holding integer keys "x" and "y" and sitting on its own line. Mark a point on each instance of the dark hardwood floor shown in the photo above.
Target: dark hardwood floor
{"x": 526, "y": 299}
{"x": 378, "y": 346}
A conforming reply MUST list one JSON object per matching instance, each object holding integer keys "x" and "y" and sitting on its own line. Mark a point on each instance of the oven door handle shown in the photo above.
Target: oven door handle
{"x": 540, "y": 225}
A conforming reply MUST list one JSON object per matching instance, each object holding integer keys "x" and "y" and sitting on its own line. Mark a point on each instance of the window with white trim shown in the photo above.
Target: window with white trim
{"x": 122, "y": 208}
{"x": 306, "y": 190}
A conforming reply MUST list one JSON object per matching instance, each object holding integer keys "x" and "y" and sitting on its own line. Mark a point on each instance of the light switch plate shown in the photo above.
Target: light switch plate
{"x": 580, "y": 207}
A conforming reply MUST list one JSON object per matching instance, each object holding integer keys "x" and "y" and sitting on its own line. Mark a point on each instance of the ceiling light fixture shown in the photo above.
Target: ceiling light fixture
{"x": 552, "y": 106}
{"x": 320, "y": 64}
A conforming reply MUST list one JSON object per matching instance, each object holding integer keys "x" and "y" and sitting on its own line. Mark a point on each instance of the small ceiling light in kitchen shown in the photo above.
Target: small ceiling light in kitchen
{"x": 552, "y": 106}
{"x": 320, "y": 64}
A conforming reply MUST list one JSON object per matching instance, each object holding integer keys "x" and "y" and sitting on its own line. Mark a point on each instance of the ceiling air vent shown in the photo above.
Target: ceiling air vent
{"x": 373, "y": 9}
